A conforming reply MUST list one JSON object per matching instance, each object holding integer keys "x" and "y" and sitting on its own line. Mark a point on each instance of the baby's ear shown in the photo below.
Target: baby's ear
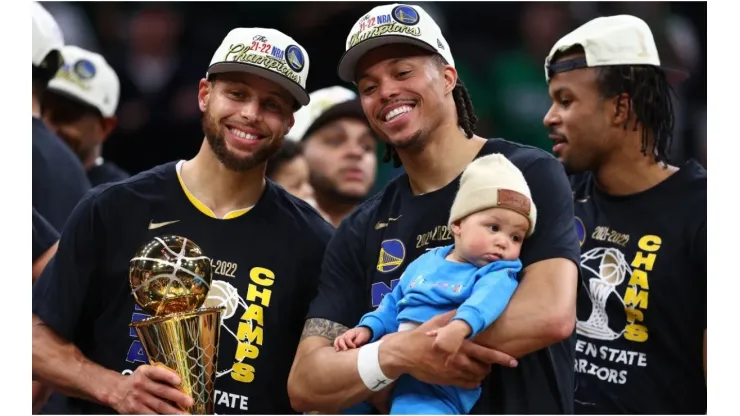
{"x": 455, "y": 228}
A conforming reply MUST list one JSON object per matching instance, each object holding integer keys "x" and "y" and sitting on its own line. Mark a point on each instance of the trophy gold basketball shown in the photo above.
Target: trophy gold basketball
{"x": 170, "y": 279}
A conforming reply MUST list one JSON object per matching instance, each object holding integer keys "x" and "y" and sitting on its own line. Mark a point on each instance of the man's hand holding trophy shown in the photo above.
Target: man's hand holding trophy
{"x": 170, "y": 279}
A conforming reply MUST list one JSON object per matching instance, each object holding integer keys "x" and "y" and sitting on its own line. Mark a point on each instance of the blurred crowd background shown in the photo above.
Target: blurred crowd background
{"x": 161, "y": 50}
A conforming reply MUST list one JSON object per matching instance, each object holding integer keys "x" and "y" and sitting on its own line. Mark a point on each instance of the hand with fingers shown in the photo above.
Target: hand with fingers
{"x": 466, "y": 368}
{"x": 151, "y": 390}
{"x": 354, "y": 338}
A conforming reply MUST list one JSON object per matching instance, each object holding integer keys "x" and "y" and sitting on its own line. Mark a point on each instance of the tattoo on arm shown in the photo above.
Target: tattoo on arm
{"x": 317, "y": 327}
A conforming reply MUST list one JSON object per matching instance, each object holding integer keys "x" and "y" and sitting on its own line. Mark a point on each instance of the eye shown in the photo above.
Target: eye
{"x": 565, "y": 102}
{"x": 272, "y": 106}
{"x": 494, "y": 228}
{"x": 368, "y": 89}
{"x": 516, "y": 238}
{"x": 404, "y": 74}
{"x": 237, "y": 95}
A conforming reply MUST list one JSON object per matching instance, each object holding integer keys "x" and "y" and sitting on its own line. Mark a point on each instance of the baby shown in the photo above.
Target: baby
{"x": 492, "y": 214}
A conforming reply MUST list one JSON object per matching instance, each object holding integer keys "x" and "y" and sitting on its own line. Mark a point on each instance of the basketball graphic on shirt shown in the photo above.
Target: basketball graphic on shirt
{"x": 607, "y": 269}
{"x": 223, "y": 294}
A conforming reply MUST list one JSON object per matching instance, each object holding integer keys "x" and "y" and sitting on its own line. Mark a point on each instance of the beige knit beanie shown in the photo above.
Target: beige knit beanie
{"x": 493, "y": 181}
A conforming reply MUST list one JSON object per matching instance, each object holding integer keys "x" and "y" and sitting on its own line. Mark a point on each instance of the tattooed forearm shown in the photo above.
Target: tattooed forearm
{"x": 317, "y": 327}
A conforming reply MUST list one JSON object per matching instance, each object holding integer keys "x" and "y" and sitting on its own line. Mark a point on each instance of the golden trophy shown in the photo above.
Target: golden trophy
{"x": 170, "y": 279}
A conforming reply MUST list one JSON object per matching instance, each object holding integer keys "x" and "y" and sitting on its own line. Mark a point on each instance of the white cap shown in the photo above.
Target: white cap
{"x": 492, "y": 181}
{"x": 321, "y": 100}
{"x": 388, "y": 24}
{"x": 47, "y": 36}
{"x": 87, "y": 77}
{"x": 267, "y": 53}
{"x": 607, "y": 41}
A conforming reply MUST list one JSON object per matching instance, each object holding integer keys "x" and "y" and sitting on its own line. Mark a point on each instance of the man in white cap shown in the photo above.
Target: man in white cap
{"x": 265, "y": 247}
{"x": 413, "y": 99}
{"x": 59, "y": 180}
{"x": 80, "y": 106}
{"x": 340, "y": 149}
{"x": 641, "y": 221}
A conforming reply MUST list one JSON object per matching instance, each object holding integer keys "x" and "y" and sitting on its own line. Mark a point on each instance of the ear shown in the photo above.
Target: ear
{"x": 204, "y": 91}
{"x": 622, "y": 109}
{"x": 109, "y": 124}
{"x": 456, "y": 228}
{"x": 450, "y": 76}
{"x": 291, "y": 122}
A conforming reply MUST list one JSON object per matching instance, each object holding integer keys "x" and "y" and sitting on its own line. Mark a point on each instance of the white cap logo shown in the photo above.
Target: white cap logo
{"x": 267, "y": 53}
{"x": 389, "y": 24}
{"x": 88, "y": 78}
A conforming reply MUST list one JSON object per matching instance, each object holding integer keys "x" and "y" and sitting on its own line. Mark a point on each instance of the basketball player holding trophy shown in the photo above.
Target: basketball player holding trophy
{"x": 166, "y": 227}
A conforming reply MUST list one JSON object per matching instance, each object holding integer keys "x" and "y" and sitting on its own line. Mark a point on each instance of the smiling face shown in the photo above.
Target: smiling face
{"x": 403, "y": 91}
{"x": 245, "y": 118}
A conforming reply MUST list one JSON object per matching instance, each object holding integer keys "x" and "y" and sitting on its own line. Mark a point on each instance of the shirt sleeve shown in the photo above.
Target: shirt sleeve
{"x": 44, "y": 235}
{"x": 384, "y": 320}
{"x": 491, "y": 293}
{"x": 61, "y": 292}
{"x": 554, "y": 235}
{"x": 342, "y": 291}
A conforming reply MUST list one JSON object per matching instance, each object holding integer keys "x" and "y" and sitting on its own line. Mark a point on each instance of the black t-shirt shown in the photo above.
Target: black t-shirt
{"x": 106, "y": 172}
{"x": 44, "y": 235}
{"x": 84, "y": 293}
{"x": 59, "y": 180}
{"x": 642, "y": 307}
{"x": 373, "y": 246}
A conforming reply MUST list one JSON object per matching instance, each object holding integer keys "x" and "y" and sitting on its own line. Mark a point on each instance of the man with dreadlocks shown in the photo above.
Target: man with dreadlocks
{"x": 642, "y": 223}
{"x": 409, "y": 90}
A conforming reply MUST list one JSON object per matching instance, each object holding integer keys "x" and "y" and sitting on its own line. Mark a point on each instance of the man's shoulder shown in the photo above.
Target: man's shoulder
{"x": 521, "y": 155}
{"x": 147, "y": 184}
{"x": 373, "y": 207}
{"x": 304, "y": 216}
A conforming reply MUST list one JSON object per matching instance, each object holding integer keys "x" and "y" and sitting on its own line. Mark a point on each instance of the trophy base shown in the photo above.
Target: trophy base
{"x": 187, "y": 343}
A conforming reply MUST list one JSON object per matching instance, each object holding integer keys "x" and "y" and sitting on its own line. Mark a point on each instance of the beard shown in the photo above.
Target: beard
{"x": 232, "y": 161}
{"x": 330, "y": 191}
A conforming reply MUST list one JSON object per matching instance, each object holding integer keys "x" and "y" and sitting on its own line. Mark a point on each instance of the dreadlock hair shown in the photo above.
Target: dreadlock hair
{"x": 649, "y": 100}
{"x": 466, "y": 118}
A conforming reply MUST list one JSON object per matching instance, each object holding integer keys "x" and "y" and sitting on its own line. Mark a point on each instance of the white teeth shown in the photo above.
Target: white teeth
{"x": 397, "y": 112}
{"x": 244, "y": 135}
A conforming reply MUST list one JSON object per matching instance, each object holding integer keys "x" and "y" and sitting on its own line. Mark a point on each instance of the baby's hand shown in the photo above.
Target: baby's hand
{"x": 354, "y": 338}
{"x": 450, "y": 337}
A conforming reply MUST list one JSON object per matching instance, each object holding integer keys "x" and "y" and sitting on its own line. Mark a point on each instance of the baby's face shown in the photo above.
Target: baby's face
{"x": 490, "y": 235}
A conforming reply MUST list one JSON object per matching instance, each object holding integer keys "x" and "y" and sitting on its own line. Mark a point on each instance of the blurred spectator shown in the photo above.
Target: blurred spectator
{"x": 288, "y": 168}
{"x": 80, "y": 107}
{"x": 340, "y": 149}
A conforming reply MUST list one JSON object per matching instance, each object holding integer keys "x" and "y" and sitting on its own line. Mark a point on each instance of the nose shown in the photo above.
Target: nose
{"x": 500, "y": 241}
{"x": 388, "y": 89}
{"x": 250, "y": 110}
{"x": 551, "y": 117}
{"x": 354, "y": 149}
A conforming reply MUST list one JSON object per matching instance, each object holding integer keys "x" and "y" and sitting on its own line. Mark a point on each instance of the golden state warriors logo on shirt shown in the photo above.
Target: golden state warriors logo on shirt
{"x": 392, "y": 254}
{"x": 405, "y": 15}
{"x": 580, "y": 230}
{"x": 294, "y": 58}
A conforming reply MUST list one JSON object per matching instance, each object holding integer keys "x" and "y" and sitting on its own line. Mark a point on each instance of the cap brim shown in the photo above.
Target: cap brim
{"x": 346, "y": 109}
{"x": 675, "y": 76}
{"x": 348, "y": 62}
{"x": 69, "y": 95}
{"x": 293, "y": 88}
